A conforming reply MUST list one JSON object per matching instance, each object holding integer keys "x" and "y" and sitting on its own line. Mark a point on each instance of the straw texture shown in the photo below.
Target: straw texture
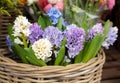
{"x": 13, "y": 72}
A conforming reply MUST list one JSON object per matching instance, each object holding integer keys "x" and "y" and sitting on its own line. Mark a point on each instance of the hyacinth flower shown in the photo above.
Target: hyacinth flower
{"x": 45, "y": 5}
{"x": 9, "y": 43}
{"x": 93, "y": 46}
{"x": 21, "y": 26}
{"x": 21, "y": 29}
{"x": 54, "y": 35}
{"x": 54, "y": 14}
{"x": 42, "y": 48}
{"x": 75, "y": 39}
{"x": 111, "y": 37}
{"x": 42, "y": 3}
{"x": 54, "y": 1}
{"x": 35, "y": 33}
{"x": 96, "y": 29}
{"x": 110, "y": 3}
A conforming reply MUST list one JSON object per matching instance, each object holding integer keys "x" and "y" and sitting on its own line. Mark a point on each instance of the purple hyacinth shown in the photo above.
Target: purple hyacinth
{"x": 54, "y": 14}
{"x": 75, "y": 39}
{"x": 96, "y": 29}
{"x": 35, "y": 33}
{"x": 54, "y": 35}
{"x": 111, "y": 37}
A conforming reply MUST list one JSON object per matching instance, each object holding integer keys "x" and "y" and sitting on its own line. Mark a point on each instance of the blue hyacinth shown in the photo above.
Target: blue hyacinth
{"x": 54, "y": 14}
{"x": 9, "y": 43}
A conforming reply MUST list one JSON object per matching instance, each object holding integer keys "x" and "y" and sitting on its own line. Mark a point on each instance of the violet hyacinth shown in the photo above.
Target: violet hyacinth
{"x": 54, "y": 35}
{"x": 35, "y": 33}
{"x": 96, "y": 29}
{"x": 75, "y": 39}
{"x": 111, "y": 37}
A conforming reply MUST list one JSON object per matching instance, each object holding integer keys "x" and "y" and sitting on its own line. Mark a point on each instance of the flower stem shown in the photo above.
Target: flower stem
{"x": 24, "y": 41}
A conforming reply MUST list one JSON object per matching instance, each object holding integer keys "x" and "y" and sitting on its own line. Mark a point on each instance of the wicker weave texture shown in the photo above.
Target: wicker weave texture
{"x": 13, "y": 72}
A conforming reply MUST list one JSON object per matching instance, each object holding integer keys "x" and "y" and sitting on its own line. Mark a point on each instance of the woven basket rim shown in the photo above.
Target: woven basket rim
{"x": 72, "y": 67}
{"x": 78, "y": 73}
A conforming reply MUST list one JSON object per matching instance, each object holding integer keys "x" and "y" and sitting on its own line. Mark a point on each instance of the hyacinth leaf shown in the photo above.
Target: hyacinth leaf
{"x": 47, "y": 21}
{"x": 10, "y": 32}
{"x": 21, "y": 52}
{"x": 41, "y": 22}
{"x": 61, "y": 53}
{"x": 106, "y": 26}
{"x": 94, "y": 43}
{"x": 33, "y": 59}
{"x": 64, "y": 41}
{"x": 59, "y": 25}
{"x": 98, "y": 46}
{"x": 78, "y": 57}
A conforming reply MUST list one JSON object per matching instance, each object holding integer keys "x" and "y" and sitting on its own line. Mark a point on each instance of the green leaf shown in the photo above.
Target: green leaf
{"x": 33, "y": 59}
{"x": 92, "y": 48}
{"x": 41, "y": 22}
{"x": 10, "y": 32}
{"x": 4, "y": 12}
{"x": 78, "y": 58}
{"x": 20, "y": 51}
{"x": 59, "y": 25}
{"x": 95, "y": 44}
{"x": 61, "y": 53}
{"x": 106, "y": 29}
{"x": 64, "y": 41}
{"x": 47, "y": 21}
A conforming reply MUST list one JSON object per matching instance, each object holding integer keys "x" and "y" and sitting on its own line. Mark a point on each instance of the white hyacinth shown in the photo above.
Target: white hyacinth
{"x": 21, "y": 26}
{"x": 54, "y": 1}
{"x": 18, "y": 41}
{"x": 30, "y": 2}
{"x": 42, "y": 49}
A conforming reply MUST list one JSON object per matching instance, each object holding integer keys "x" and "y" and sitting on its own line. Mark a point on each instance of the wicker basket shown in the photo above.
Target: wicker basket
{"x": 13, "y": 72}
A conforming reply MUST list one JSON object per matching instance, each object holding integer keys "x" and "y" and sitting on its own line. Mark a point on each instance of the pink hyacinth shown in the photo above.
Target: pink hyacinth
{"x": 59, "y": 5}
{"x": 111, "y": 4}
{"x": 47, "y": 7}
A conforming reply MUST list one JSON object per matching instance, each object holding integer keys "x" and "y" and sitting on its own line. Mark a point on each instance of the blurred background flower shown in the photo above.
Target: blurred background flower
{"x": 6, "y": 5}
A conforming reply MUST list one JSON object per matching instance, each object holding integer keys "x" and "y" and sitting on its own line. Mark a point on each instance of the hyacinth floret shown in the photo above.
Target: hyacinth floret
{"x": 35, "y": 33}
{"x": 111, "y": 37}
{"x": 9, "y": 42}
{"x": 96, "y": 29}
{"x": 21, "y": 26}
{"x": 42, "y": 49}
{"x": 54, "y": 35}
{"x": 54, "y": 14}
{"x": 75, "y": 39}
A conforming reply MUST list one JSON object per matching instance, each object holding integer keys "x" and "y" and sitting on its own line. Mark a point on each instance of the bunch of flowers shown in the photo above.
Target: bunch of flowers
{"x": 57, "y": 40}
